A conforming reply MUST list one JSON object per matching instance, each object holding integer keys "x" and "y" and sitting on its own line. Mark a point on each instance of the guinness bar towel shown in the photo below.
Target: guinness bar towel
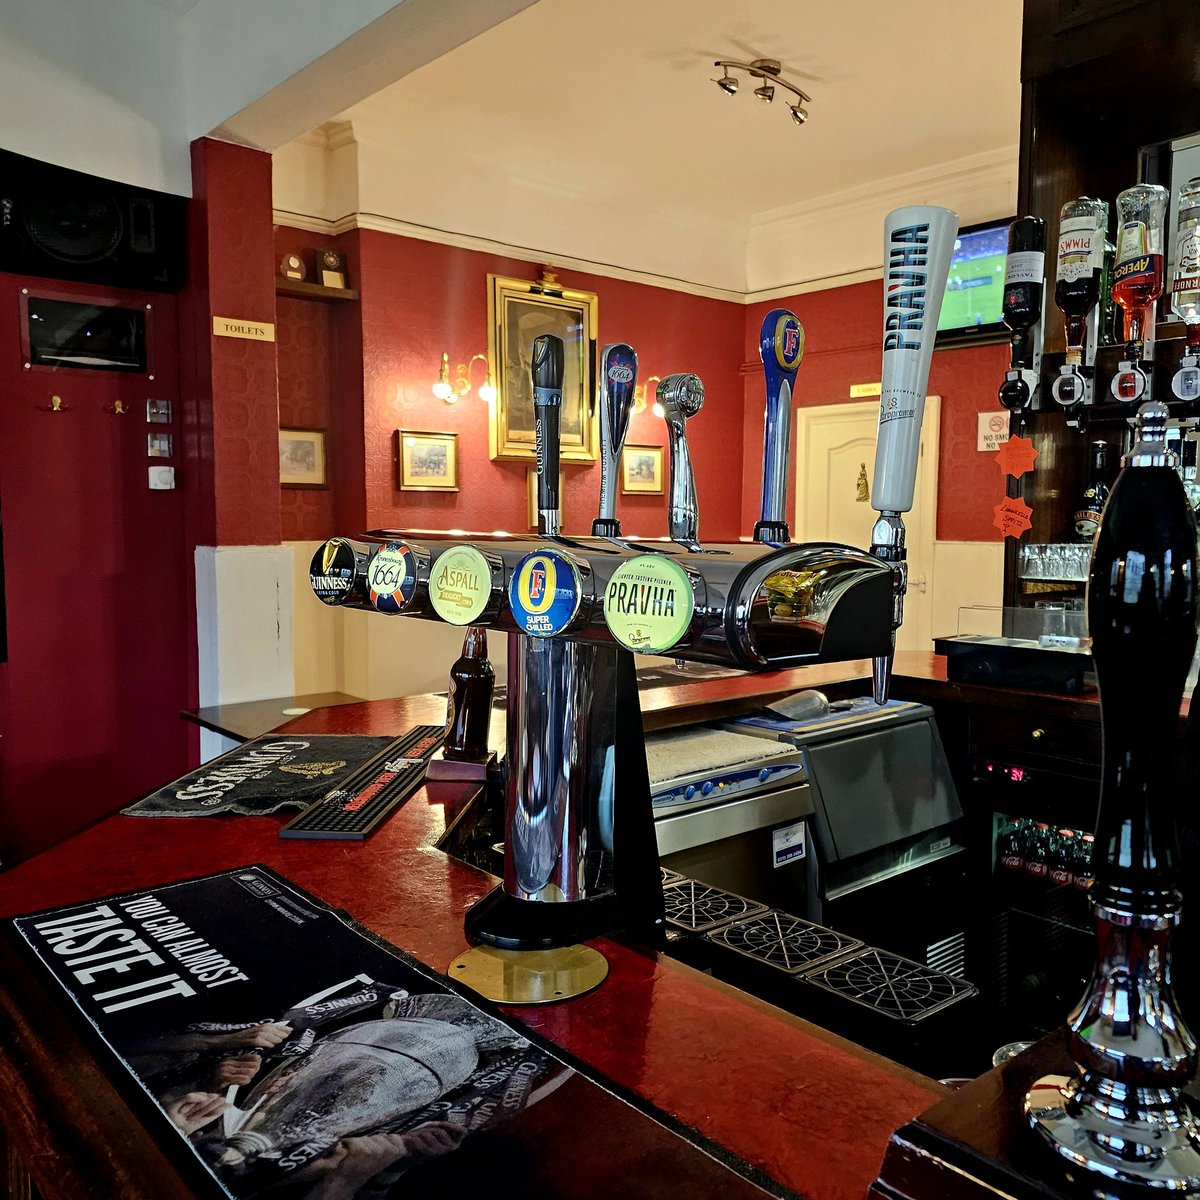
{"x": 272, "y": 772}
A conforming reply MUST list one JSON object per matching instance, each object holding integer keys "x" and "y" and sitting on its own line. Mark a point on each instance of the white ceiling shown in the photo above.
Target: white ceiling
{"x": 612, "y": 98}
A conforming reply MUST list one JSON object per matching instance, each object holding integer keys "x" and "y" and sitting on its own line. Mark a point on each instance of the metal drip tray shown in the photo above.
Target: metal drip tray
{"x": 892, "y": 986}
{"x": 669, "y": 877}
{"x": 696, "y": 908}
{"x": 784, "y": 942}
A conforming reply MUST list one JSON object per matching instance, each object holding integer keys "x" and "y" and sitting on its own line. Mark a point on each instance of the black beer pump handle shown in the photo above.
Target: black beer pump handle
{"x": 547, "y": 370}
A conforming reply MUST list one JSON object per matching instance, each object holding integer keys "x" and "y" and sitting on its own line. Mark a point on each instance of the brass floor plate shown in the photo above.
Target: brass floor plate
{"x": 530, "y": 976}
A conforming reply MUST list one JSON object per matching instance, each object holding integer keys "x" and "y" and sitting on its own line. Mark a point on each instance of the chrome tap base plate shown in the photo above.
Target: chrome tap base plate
{"x": 1160, "y": 1151}
{"x": 530, "y": 976}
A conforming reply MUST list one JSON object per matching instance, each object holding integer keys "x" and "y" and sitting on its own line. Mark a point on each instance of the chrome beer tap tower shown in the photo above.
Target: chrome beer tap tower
{"x": 580, "y": 851}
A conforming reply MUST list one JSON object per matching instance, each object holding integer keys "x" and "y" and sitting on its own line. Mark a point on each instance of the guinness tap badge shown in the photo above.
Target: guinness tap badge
{"x": 545, "y": 592}
{"x": 460, "y": 585}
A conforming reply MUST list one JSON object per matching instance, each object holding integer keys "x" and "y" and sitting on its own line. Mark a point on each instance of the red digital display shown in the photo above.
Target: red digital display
{"x": 1016, "y": 774}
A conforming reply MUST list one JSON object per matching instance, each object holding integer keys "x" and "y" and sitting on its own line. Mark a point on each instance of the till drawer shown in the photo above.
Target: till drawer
{"x": 1023, "y": 737}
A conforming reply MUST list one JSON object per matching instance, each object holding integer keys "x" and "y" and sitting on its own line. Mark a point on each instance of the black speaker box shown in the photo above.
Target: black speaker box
{"x": 61, "y": 224}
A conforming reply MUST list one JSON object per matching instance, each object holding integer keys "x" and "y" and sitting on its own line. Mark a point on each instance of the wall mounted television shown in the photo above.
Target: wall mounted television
{"x": 973, "y": 306}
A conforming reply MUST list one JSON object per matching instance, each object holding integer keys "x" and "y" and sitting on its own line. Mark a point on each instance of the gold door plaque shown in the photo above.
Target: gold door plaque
{"x": 239, "y": 327}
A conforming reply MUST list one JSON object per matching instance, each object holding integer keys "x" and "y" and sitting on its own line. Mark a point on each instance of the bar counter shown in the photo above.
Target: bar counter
{"x": 810, "y": 1112}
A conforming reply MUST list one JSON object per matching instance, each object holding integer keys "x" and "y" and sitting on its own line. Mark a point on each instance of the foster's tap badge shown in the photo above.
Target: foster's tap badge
{"x": 648, "y": 604}
{"x": 331, "y": 572}
{"x": 545, "y": 592}
{"x": 392, "y": 577}
{"x": 460, "y": 585}
{"x": 786, "y": 339}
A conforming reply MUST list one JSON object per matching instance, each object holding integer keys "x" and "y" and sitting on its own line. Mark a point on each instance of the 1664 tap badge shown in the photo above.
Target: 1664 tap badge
{"x": 392, "y": 577}
{"x": 331, "y": 573}
{"x": 545, "y": 592}
{"x": 648, "y": 604}
{"x": 460, "y": 585}
{"x": 788, "y": 341}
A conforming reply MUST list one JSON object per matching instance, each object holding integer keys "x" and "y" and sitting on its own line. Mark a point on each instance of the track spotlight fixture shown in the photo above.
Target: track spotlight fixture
{"x": 766, "y": 70}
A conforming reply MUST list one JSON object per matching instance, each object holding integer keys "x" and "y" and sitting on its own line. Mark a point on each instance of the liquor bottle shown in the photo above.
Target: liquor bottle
{"x": 1023, "y": 275}
{"x": 1081, "y": 230}
{"x": 469, "y": 700}
{"x": 1095, "y": 493}
{"x": 1138, "y": 274}
{"x": 1185, "y": 288}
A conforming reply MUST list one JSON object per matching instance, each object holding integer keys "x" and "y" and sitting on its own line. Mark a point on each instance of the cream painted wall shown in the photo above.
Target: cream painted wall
{"x": 967, "y": 575}
{"x": 367, "y": 655}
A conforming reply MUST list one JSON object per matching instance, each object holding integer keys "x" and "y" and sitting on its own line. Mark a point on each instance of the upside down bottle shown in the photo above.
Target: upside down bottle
{"x": 1138, "y": 274}
{"x": 1081, "y": 228}
{"x": 1185, "y": 288}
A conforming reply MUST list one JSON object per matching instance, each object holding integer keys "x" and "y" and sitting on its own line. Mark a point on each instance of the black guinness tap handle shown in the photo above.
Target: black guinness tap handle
{"x": 547, "y": 370}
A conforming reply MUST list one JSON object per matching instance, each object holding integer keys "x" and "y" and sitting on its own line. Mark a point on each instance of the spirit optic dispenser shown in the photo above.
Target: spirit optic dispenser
{"x": 1083, "y": 224}
{"x": 1185, "y": 292}
{"x": 1024, "y": 291}
{"x": 580, "y": 851}
{"x": 1138, "y": 283}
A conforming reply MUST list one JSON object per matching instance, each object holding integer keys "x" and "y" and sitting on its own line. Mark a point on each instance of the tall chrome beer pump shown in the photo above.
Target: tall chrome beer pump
{"x": 1121, "y": 1120}
{"x": 780, "y": 347}
{"x": 580, "y": 851}
{"x": 917, "y": 244}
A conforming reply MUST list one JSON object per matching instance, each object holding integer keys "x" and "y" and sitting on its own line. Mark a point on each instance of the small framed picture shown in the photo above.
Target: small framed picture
{"x": 331, "y": 268}
{"x": 158, "y": 412}
{"x": 642, "y": 470}
{"x": 531, "y": 489}
{"x": 302, "y": 458}
{"x": 159, "y": 445}
{"x": 427, "y": 462}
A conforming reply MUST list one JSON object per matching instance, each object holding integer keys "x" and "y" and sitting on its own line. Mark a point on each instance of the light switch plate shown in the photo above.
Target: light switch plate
{"x": 162, "y": 479}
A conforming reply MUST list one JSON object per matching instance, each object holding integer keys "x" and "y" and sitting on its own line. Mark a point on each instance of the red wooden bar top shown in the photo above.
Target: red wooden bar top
{"x": 809, "y": 1109}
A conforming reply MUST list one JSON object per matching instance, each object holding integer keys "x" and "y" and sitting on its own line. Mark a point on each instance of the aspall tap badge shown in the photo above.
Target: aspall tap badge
{"x": 545, "y": 592}
{"x": 392, "y": 577}
{"x": 788, "y": 341}
{"x": 648, "y": 604}
{"x": 332, "y": 571}
{"x": 460, "y": 585}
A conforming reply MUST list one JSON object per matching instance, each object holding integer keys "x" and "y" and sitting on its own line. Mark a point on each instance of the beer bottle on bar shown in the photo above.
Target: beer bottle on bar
{"x": 469, "y": 700}
{"x": 1095, "y": 494}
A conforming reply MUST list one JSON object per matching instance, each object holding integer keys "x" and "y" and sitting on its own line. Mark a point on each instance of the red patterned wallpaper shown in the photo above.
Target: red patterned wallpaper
{"x": 842, "y": 328}
{"x": 420, "y": 298}
{"x": 230, "y": 391}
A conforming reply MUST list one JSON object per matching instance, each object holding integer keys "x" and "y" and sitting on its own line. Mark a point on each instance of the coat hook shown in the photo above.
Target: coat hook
{"x": 56, "y": 405}
{"x": 118, "y": 409}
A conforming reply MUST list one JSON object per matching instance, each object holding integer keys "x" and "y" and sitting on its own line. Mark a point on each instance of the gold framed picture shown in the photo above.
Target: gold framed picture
{"x": 531, "y": 495}
{"x": 426, "y": 462}
{"x": 518, "y": 311}
{"x": 642, "y": 470}
{"x": 302, "y": 458}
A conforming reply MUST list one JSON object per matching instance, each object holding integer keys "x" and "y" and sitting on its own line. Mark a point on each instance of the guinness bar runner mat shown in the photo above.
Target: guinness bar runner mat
{"x": 276, "y": 1050}
{"x": 281, "y": 771}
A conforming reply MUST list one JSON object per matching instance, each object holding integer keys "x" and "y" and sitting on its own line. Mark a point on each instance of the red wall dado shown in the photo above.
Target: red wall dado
{"x": 842, "y": 347}
{"x": 419, "y": 299}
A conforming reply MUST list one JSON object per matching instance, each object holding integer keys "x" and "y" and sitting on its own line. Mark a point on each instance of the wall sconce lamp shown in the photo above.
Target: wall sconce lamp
{"x": 442, "y": 389}
{"x": 451, "y": 392}
{"x": 642, "y": 390}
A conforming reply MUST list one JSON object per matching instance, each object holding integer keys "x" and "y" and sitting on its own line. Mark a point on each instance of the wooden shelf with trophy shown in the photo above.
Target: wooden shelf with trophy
{"x": 292, "y": 279}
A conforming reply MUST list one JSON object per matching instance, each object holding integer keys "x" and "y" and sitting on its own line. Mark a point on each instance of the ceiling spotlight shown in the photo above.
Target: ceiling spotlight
{"x": 767, "y": 72}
